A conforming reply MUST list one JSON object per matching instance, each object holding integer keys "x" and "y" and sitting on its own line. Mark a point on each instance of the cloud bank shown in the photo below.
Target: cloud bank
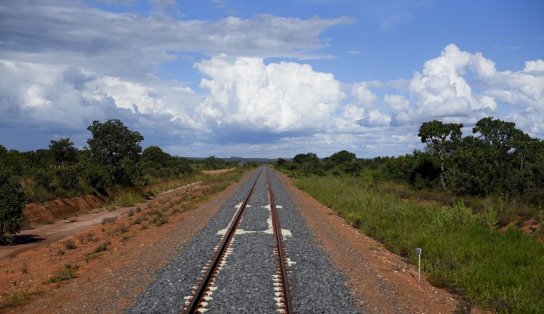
{"x": 88, "y": 64}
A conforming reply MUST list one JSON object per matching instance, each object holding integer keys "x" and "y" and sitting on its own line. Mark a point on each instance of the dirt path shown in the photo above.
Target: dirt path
{"x": 381, "y": 281}
{"x": 218, "y": 171}
{"x": 46, "y": 234}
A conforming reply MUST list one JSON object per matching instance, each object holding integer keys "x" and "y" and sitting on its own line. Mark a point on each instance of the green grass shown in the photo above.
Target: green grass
{"x": 502, "y": 271}
{"x": 17, "y": 298}
{"x": 128, "y": 198}
{"x": 66, "y": 273}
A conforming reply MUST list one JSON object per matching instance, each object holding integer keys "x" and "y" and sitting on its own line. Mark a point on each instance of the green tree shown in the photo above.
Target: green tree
{"x": 306, "y": 158}
{"x": 499, "y": 134}
{"x": 342, "y": 161}
{"x": 63, "y": 151}
{"x": 281, "y": 162}
{"x": 213, "y": 163}
{"x": 308, "y": 163}
{"x": 116, "y": 148}
{"x": 441, "y": 139}
{"x": 12, "y": 202}
{"x": 473, "y": 168}
{"x": 156, "y": 155}
{"x": 342, "y": 157}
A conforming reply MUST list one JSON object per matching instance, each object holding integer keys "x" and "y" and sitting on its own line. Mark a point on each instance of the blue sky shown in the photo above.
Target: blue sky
{"x": 267, "y": 78}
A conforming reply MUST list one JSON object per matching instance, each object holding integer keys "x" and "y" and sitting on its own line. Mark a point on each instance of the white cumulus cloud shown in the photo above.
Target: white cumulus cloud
{"x": 534, "y": 66}
{"x": 441, "y": 89}
{"x": 64, "y": 100}
{"x": 275, "y": 97}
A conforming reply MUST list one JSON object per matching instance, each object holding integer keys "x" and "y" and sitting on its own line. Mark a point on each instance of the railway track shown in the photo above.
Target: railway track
{"x": 201, "y": 295}
{"x": 238, "y": 262}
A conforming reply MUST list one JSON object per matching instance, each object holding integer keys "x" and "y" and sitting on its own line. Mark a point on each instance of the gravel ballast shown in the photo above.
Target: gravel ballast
{"x": 245, "y": 282}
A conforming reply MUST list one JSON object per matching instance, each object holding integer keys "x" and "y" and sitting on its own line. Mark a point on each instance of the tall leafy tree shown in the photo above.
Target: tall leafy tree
{"x": 441, "y": 139}
{"x": 112, "y": 142}
{"x": 12, "y": 202}
{"x": 116, "y": 148}
{"x": 63, "y": 150}
{"x": 501, "y": 135}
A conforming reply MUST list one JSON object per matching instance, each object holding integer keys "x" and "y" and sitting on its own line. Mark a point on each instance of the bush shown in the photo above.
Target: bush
{"x": 159, "y": 219}
{"x": 12, "y": 202}
{"x": 102, "y": 247}
{"x": 70, "y": 244}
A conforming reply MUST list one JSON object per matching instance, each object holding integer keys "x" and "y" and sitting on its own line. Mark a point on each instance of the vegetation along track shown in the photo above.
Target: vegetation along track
{"x": 249, "y": 270}
{"x": 198, "y": 301}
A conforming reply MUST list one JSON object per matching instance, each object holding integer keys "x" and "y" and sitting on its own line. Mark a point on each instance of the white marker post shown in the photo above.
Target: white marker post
{"x": 418, "y": 252}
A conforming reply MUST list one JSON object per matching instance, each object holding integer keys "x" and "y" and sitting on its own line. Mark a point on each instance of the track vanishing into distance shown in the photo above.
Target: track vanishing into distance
{"x": 255, "y": 256}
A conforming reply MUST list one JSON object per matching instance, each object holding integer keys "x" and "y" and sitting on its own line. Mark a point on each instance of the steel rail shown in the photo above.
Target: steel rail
{"x": 280, "y": 245}
{"x": 193, "y": 306}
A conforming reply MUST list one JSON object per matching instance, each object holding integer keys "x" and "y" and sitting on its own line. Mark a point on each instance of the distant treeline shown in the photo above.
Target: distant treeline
{"x": 497, "y": 159}
{"x": 112, "y": 159}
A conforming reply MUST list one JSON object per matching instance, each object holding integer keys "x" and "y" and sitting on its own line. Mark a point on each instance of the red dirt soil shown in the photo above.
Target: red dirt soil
{"x": 39, "y": 213}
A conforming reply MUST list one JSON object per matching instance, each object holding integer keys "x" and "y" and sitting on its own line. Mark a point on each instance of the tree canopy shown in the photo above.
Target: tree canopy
{"x": 112, "y": 142}
{"x": 63, "y": 150}
{"x": 441, "y": 139}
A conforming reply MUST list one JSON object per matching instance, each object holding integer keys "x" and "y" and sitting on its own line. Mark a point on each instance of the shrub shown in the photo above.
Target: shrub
{"x": 159, "y": 219}
{"x": 109, "y": 220}
{"x": 17, "y": 299}
{"x": 102, "y": 247}
{"x": 66, "y": 273}
{"x": 70, "y": 244}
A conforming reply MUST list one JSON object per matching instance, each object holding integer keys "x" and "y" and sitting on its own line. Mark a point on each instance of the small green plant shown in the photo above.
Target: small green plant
{"x": 118, "y": 230}
{"x": 462, "y": 214}
{"x": 70, "y": 244}
{"x": 17, "y": 298}
{"x": 24, "y": 269}
{"x": 489, "y": 216}
{"x": 159, "y": 219}
{"x": 89, "y": 237}
{"x": 109, "y": 220}
{"x": 60, "y": 252}
{"x": 130, "y": 212}
{"x": 66, "y": 273}
{"x": 90, "y": 256}
{"x": 102, "y": 247}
